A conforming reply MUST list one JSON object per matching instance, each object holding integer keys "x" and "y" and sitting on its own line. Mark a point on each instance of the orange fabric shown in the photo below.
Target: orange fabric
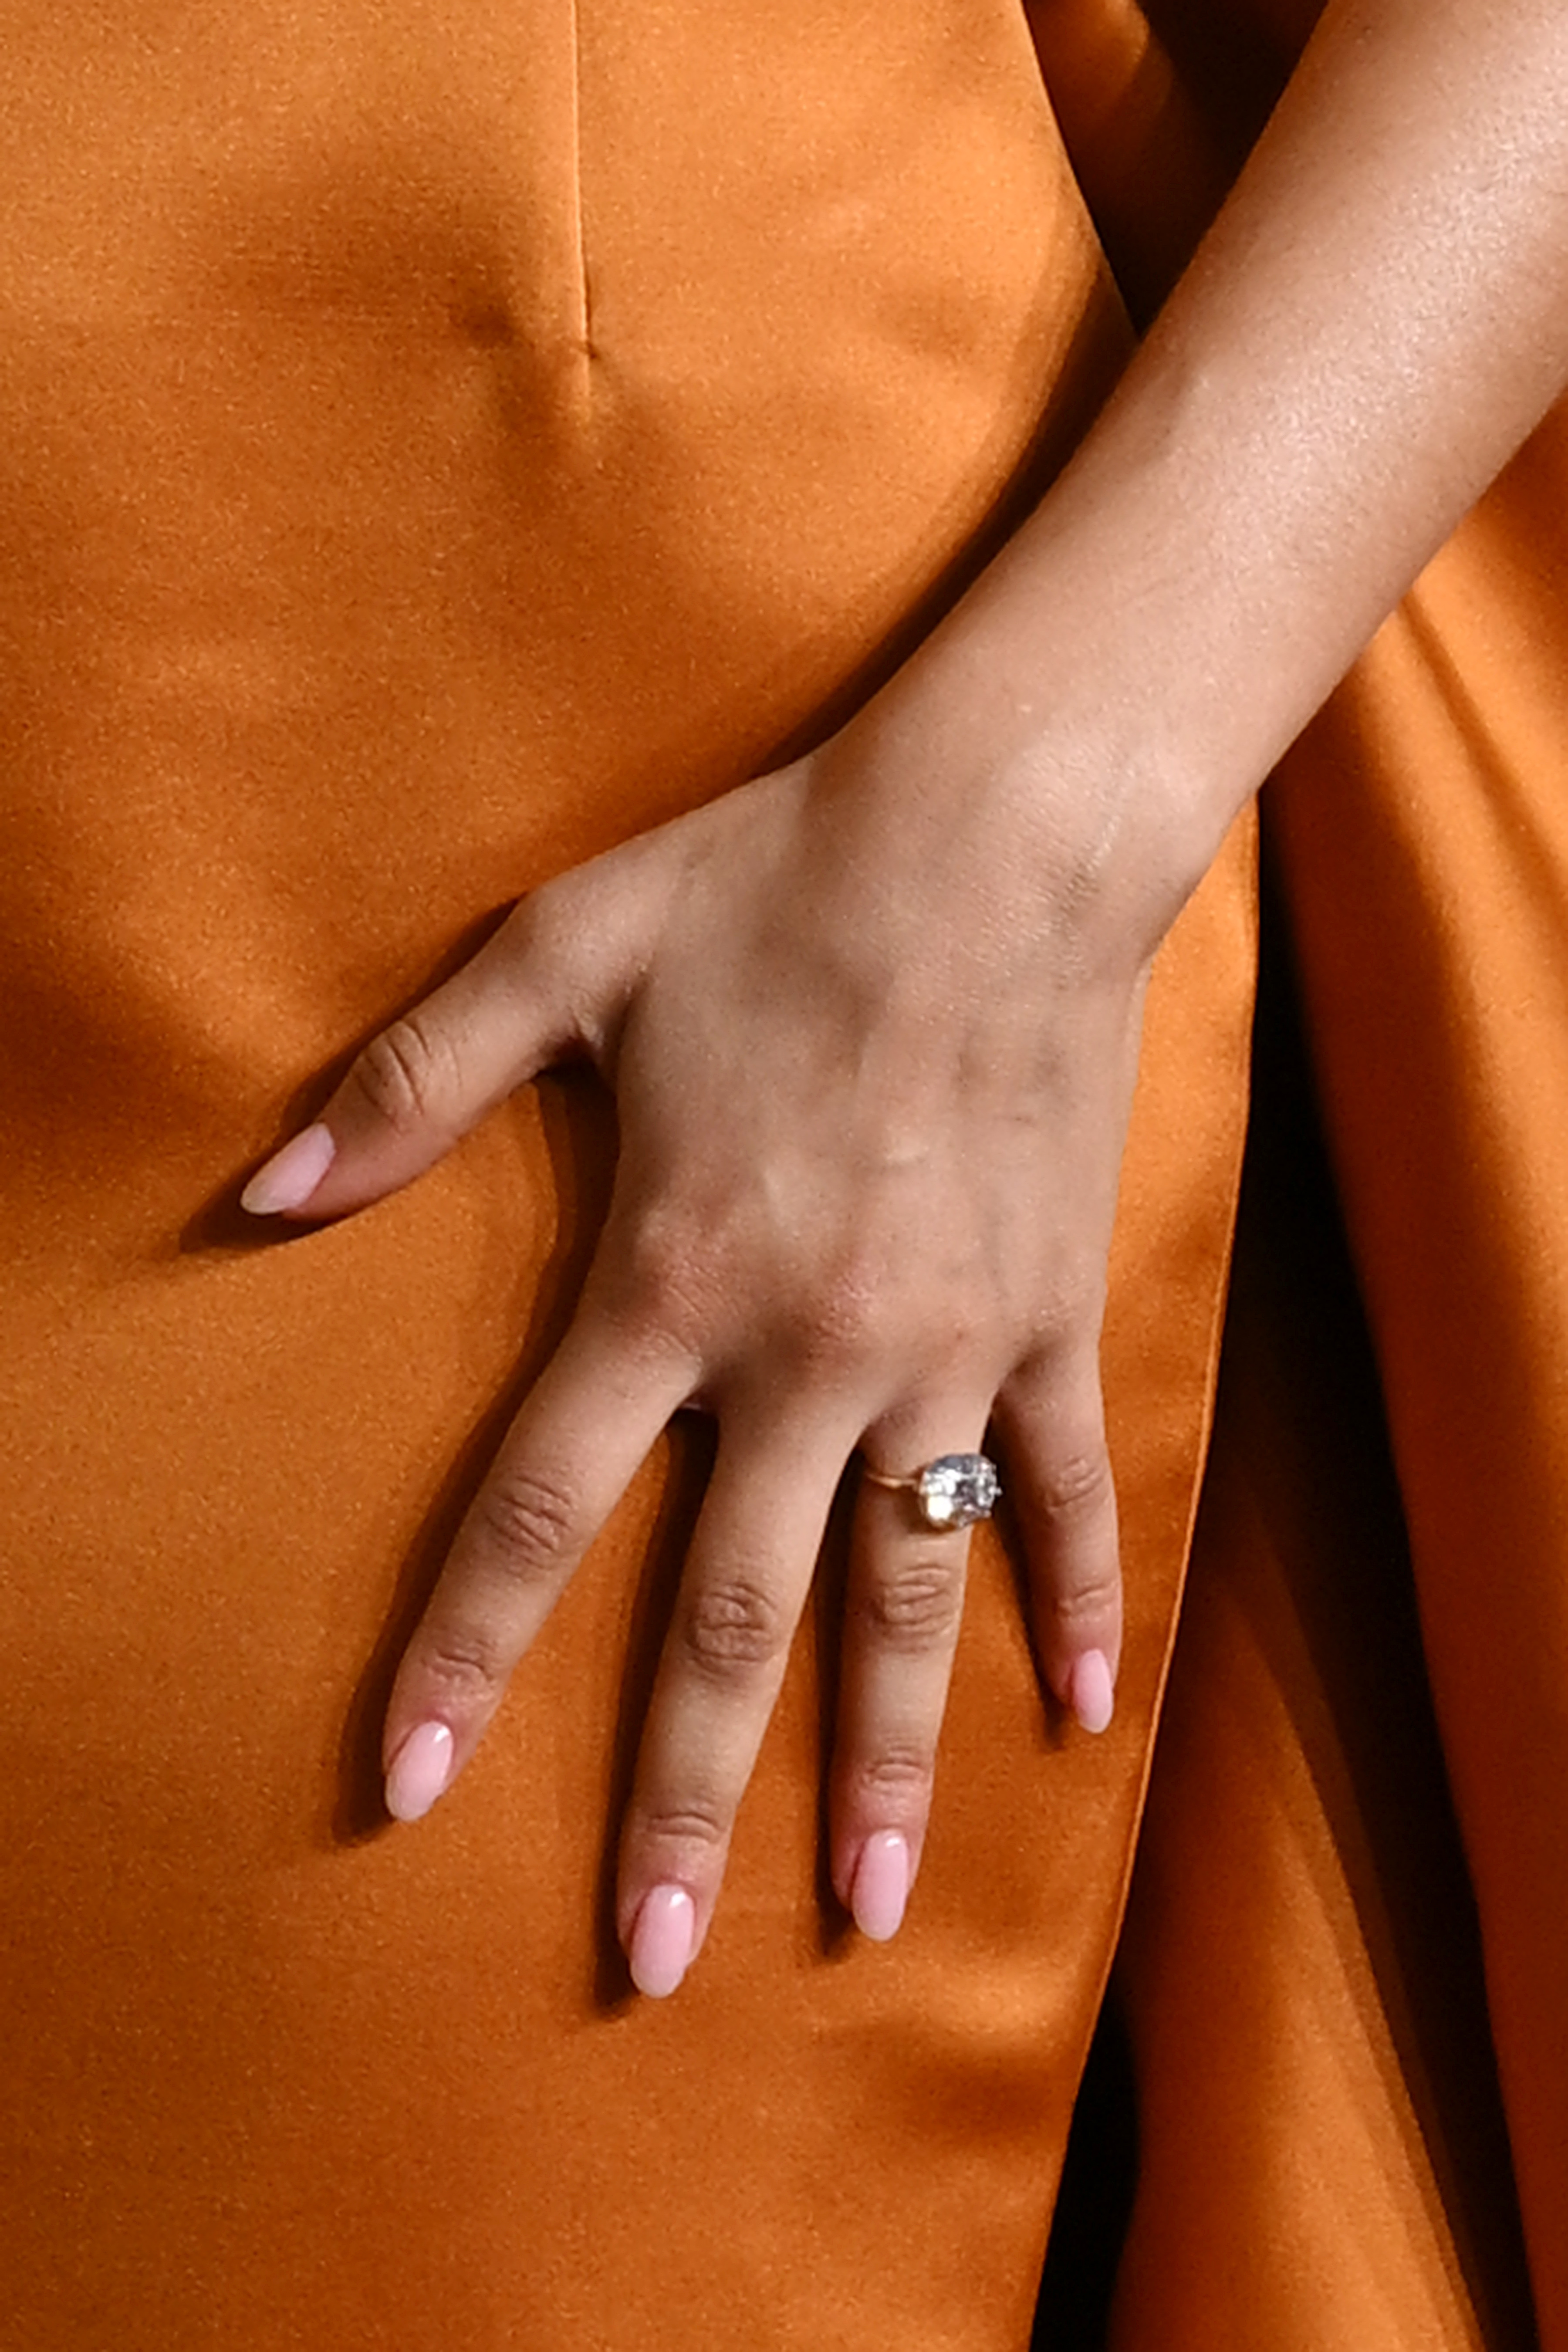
{"x": 436, "y": 442}
{"x": 1324, "y": 2154}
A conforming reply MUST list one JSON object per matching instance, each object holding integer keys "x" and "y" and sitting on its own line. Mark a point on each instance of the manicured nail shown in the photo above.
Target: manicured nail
{"x": 662, "y": 1941}
{"x": 419, "y": 1771}
{"x": 291, "y": 1175}
{"x": 881, "y": 1885}
{"x": 1092, "y": 1691}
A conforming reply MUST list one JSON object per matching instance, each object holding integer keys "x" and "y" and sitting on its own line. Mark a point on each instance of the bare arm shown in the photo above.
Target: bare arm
{"x": 1377, "y": 320}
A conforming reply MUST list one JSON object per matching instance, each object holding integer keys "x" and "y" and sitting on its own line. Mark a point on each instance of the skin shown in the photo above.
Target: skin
{"x": 946, "y": 917}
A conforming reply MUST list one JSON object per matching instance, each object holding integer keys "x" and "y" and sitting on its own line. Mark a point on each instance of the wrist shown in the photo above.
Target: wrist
{"x": 1050, "y": 790}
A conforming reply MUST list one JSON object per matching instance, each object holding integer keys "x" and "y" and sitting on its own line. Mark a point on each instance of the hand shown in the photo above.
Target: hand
{"x": 873, "y": 1042}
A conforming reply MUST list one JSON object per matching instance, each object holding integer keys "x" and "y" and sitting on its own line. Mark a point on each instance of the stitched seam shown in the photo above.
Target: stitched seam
{"x": 584, "y": 319}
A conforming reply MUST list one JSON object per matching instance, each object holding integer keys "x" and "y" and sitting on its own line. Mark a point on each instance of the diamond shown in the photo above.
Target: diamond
{"x": 957, "y": 1490}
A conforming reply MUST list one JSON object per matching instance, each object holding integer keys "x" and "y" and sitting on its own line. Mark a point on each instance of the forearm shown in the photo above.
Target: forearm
{"x": 1378, "y": 319}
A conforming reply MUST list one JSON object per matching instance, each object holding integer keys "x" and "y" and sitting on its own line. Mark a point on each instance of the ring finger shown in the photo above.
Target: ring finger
{"x": 907, "y": 1572}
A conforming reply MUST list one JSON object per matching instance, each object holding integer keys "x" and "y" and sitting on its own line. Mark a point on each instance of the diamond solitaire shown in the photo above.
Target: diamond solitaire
{"x": 953, "y": 1491}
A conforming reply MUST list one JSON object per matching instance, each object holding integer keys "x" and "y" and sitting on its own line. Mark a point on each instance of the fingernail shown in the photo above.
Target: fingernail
{"x": 291, "y": 1175}
{"x": 1093, "y": 1693}
{"x": 419, "y": 1771}
{"x": 881, "y": 1886}
{"x": 661, "y": 1941}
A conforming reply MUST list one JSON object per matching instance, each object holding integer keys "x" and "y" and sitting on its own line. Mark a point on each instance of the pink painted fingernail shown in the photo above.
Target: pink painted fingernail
{"x": 419, "y": 1771}
{"x": 661, "y": 1941}
{"x": 881, "y": 1886}
{"x": 1092, "y": 1691}
{"x": 291, "y": 1175}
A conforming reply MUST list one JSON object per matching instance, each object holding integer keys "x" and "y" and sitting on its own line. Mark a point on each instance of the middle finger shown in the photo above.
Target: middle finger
{"x": 753, "y": 1556}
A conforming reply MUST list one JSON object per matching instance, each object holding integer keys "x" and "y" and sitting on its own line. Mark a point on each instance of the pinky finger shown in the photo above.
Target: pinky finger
{"x": 1059, "y": 1481}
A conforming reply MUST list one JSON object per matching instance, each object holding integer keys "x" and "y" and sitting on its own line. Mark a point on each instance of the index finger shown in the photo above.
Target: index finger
{"x": 590, "y": 1419}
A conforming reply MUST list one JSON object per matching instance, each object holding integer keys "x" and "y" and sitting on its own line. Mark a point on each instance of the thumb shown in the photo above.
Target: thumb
{"x": 521, "y": 1003}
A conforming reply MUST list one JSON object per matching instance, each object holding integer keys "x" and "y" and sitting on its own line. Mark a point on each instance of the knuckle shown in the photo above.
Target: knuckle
{"x": 550, "y": 942}
{"x": 1061, "y": 1328}
{"x": 844, "y": 1324}
{"x": 464, "y": 1663}
{"x": 554, "y": 920}
{"x": 1075, "y": 1486}
{"x": 915, "y": 1606}
{"x": 1087, "y": 1601}
{"x": 404, "y": 1074}
{"x": 542, "y": 924}
{"x": 896, "y": 1780}
{"x": 732, "y": 1630}
{"x": 694, "y": 1824}
{"x": 525, "y": 1524}
{"x": 967, "y": 1330}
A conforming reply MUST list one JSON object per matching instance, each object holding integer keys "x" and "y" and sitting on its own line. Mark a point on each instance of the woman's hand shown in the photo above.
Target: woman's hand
{"x": 872, "y": 1026}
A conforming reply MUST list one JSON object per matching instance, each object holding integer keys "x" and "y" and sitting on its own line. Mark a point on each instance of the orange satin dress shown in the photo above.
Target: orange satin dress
{"x": 436, "y": 442}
